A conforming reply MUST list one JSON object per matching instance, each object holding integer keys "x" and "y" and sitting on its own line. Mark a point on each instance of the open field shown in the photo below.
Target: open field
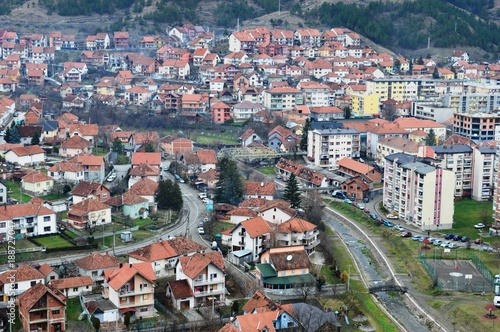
{"x": 14, "y": 189}
{"x": 54, "y": 241}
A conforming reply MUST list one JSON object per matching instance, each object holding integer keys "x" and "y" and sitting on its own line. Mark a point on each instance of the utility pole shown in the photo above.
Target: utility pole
{"x": 428, "y": 42}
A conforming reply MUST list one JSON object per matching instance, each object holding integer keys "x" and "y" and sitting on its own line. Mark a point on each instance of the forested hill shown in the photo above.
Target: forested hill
{"x": 402, "y": 24}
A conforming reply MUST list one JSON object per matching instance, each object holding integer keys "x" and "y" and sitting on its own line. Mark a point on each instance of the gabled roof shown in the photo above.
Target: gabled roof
{"x": 97, "y": 261}
{"x": 128, "y": 198}
{"x": 282, "y": 205}
{"x": 88, "y": 205}
{"x": 258, "y": 300}
{"x": 165, "y": 249}
{"x": 180, "y": 289}
{"x": 144, "y": 170}
{"x": 289, "y": 260}
{"x": 27, "y": 150}
{"x": 76, "y": 142}
{"x": 149, "y": 158}
{"x": 117, "y": 277}
{"x": 72, "y": 282}
{"x": 296, "y": 225}
{"x": 256, "y": 227}
{"x": 243, "y": 212}
{"x": 85, "y": 188}
{"x": 260, "y": 188}
{"x": 192, "y": 265}
{"x": 31, "y": 296}
{"x": 35, "y": 177}
{"x": 45, "y": 269}
{"x": 23, "y": 273}
{"x": 144, "y": 187}
{"x": 355, "y": 166}
{"x": 207, "y": 156}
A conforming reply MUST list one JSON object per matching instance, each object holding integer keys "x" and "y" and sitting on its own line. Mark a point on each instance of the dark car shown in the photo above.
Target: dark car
{"x": 373, "y": 216}
{"x": 457, "y": 237}
{"x": 465, "y": 239}
{"x": 478, "y": 241}
{"x": 406, "y": 234}
{"x": 449, "y": 236}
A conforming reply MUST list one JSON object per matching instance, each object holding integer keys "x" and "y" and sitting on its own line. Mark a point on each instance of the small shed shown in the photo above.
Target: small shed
{"x": 126, "y": 236}
{"x": 239, "y": 257}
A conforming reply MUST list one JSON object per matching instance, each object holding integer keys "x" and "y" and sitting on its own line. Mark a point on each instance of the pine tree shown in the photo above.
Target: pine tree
{"x": 430, "y": 140}
{"x": 163, "y": 194}
{"x": 35, "y": 139}
{"x": 14, "y": 137}
{"x": 149, "y": 148}
{"x": 7, "y": 135}
{"x": 176, "y": 201}
{"x": 291, "y": 193}
{"x": 230, "y": 187}
{"x": 435, "y": 73}
{"x": 305, "y": 135}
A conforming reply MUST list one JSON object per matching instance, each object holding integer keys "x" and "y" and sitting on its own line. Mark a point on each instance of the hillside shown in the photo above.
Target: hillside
{"x": 403, "y": 26}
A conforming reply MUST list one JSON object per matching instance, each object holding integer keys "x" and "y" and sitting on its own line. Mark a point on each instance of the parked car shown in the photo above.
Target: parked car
{"x": 361, "y": 206}
{"x": 366, "y": 200}
{"x": 392, "y": 215}
{"x": 348, "y": 201}
{"x": 284, "y": 179}
{"x": 388, "y": 223}
{"x": 457, "y": 237}
{"x": 437, "y": 242}
{"x": 465, "y": 239}
{"x": 479, "y": 226}
{"x": 201, "y": 231}
{"x": 206, "y": 220}
{"x": 478, "y": 241}
{"x": 453, "y": 246}
{"x": 399, "y": 228}
{"x": 339, "y": 194}
{"x": 422, "y": 238}
{"x": 406, "y": 234}
{"x": 445, "y": 244}
{"x": 415, "y": 237}
{"x": 449, "y": 236}
{"x": 373, "y": 216}
{"x": 487, "y": 248}
{"x": 278, "y": 176}
{"x": 367, "y": 210}
{"x": 354, "y": 204}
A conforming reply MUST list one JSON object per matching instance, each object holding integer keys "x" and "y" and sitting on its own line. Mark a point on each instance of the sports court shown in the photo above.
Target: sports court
{"x": 459, "y": 275}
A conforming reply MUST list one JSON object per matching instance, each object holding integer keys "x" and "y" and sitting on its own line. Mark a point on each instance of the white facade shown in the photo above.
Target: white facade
{"x": 327, "y": 146}
{"x": 483, "y": 173}
{"x": 12, "y": 158}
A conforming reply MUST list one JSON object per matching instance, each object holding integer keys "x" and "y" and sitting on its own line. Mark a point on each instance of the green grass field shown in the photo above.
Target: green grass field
{"x": 54, "y": 197}
{"x": 268, "y": 170}
{"x": 54, "y": 241}
{"x": 219, "y": 226}
{"x": 15, "y": 192}
{"x": 468, "y": 213}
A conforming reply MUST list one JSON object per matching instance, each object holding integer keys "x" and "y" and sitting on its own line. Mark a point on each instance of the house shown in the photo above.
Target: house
{"x": 199, "y": 161}
{"x": 136, "y": 140}
{"x": 358, "y": 187}
{"x": 42, "y": 308}
{"x": 265, "y": 190}
{"x": 326, "y": 113}
{"x": 93, "y": 166}
{"x": 25, "y": 155}
{"x": 240, "y": 214}
{"x": 163, "y": 255}
{"x": 94, "y": 190}
{"x": 3, "y": 193}
{"x": 89, "y": 213}
{"x": 276, "y": 211}
{"x": 459, "y": 55}
{"x": 74, "y": 146}
{"x": 209, "y": 178}
{"x": 249, "y": 137}
{"x": 296, "y": 231}
{"x": 221, "y": 112}
{"x": 282, "y": 139}
{"x": 351, "y": 167}
{"x": 205, "y": 275}
{"x": 26, "y": 133}
{"x": 284, "y": 269}
{"x": 95, "y": 264}
{"x": 67, "y": 172}
{"x": 25, "y": 278}
{"x": 252, "y": 234}
{"x": 130, "y": 287}
{"x": 49, "y": 273}
{"x": 37, "y": 183}
{"x": 102, "y": 309}
{"x": 146, "y": 188}
{"x": 172, "y": 145}
{"x": 29, "y": 219}
{"x": 138, "y": 96}
{"x": 279, "y": 319}
{"x": 74, "y": 286}
{"x": 130, "y": 205}
{"x": 121, "y": 39}
{"x": 143, "y": 171}
{"x": 87, "y": 131}
{"x": 245, "y": 110}
{"x": 149, "y": 158}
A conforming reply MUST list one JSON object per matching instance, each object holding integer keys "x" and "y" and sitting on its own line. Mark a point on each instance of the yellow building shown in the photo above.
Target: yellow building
{"x": 362, "y": 105}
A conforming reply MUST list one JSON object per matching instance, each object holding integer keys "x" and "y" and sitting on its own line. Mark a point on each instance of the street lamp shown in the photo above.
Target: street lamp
{"x": 348, "y": 276}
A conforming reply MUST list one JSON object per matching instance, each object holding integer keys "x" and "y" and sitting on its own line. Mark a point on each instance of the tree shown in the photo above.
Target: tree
{"x": 435, "y": 73}
{"x": 313, "y": 206}
{"x": 7, "y": 135}
{"x": 347, "y": 112}
{"x": 305, "y": 134}
{"x": 14, "y": 136}
{"x": 292, "y": 193}
{"x": 397, "y": 65}
{"x": 169, "y": 196}
{"x": 420, "y": 61}
{"x": 149, "y": 148}
{"x": 35, "y": 139}
{"x": 118, "y": 146}
{"x": 229, "y": 185}
{"x": 430, "y": 140}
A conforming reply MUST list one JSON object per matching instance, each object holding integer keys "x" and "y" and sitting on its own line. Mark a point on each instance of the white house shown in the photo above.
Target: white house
{"x": 25, "y": 278}
{"x": 277, "y": 212}
{"x": 29, "y": 219}
{"x": 252, "y": 234}
{"x": 73, "y": 287}
{"x": 67, "y": 172}
{"x": 265, "y": 190}
{"x": 25, "y": 155}
{"x": 95, "y": 264}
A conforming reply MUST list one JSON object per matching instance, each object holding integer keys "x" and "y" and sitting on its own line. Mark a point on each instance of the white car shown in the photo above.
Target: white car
{"x": 399, "y": 228}
{"x": 201, "y": 231}
{"x": 479, "y": 226}
{"x": 361, "y": 206}
{"x": 445, "y": 244}
{"x": 392, "y": 216}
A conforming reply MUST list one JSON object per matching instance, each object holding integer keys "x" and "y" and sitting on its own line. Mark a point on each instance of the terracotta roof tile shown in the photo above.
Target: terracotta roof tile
{"x": 88, "y": 160}
{"x": 180, "y": 289}
{"x": 258, "y": 299}
{"x": 88, "y": 205}
{"x": 260, "y": 188}
{"x": 355, "y": 166}
{"x": 97, "y": 261}
{"x": 35, "y": 293}
{"x": 296, "y": 225}
{"x": 85, "y": 188}
{"x": 144, "y": 170}
{"x": 282, "y": 205}
{"x": 84, "y": 129}
{"x": 243, "y": 212}
{"x": 207, "y": 156}
{"x": 192, "y": 265}
{"x": 209, "y": 175}
{"x": 72, "y": 282}
{"x": 45, "y": 269}
{"x": 117, "y": 277}
{"x": 165, "y": 249}
{"x": 23, "y": 273}
{"x": 256, "y": 227}
{"x": 149, "y": 158}
{"x": 144, "y": 187}
{"x": 253, "y": 202}
{"x": 35, "y": 177}
{"x": 66, "y": 166}
{"x": 27, "y": 150}
{"x": 76, "y": 142}
{"x": 282, "y": 262}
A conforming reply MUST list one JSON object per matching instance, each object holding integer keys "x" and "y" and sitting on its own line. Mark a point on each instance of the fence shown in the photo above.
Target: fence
{"x": 20, "y": 251}
{"x": 485, "y": 284}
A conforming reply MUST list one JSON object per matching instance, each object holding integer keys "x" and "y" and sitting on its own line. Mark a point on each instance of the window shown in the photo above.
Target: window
{"x": 55, "y": 312}
{"x": 47, "y": 229}
{"x": 46, "y": 218}
{"x": 75, "y": 289}
{"x": 3, "y": 224}
{"x": 145, "y": 309}
{"x": 33, "y": 283}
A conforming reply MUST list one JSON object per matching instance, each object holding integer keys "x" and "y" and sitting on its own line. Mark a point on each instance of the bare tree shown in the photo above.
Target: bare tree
{"x": 313, "y": 206}
{"x": 305, "y": 289}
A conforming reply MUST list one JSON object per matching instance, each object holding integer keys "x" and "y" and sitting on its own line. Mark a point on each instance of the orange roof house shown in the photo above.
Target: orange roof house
{"x": 355, "y": 168}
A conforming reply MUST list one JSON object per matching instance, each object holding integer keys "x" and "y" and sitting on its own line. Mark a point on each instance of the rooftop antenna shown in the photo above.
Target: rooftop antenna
{"x": 429, "y": 42}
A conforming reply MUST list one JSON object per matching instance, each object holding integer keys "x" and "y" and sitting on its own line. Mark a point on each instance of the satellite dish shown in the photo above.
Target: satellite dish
{"x": 289, "y": 257}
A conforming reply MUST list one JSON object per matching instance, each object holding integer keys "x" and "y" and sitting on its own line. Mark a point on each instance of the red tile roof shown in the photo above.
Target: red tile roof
{"x": 117, "y": 277}
{"x": 193, "y": 265}
{"x": 72, "y": 282}
{"x": 144, "y": 170}
{"x": 76, "y": 142}
{"x": 355, "y": 166}
{"x": 180, "y": 289}
{"x": 149, "y": 158}
{"x": 85, "y": 188}
{"x": 31, "y": 296}
{"x": 144, "y": 187}
{"x": 243, "y": 212}
{"x": 296, "y": 225}
{"x": 36, "y": 176}
{"x": 165, "y": 249}
{"x": 97, "y": 261}
{"x": 27, "y": 150}
{"x": 88, "y": 205}
{"x": 260, "y": 188}
{"x": 22, "y": 273}
{"x": 207, "y": 156}
{"x": 256, "y": 227}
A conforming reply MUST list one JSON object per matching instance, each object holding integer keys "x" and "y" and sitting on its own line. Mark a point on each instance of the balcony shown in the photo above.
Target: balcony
{"x": 311, "y": 235}
{"x": 208, "y": 281}
{"x": 241, "y": 233}
{"x": 241, "y": 243}
{"x": 207, "y": 293}
{"x": 312, "y": 245}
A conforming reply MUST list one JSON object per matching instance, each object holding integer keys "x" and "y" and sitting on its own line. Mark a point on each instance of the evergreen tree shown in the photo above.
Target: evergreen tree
{"x": 292, "y": 193}
{"x": 410, "y": 66}
{"x": 169, "y": 196}
{"x": 118, "y": 146}
{"x": 430, "y": 140}
{"x": 347, "y": 112}
{"x": 14, "y": 137}
{"x": 420, "y": 61}
{"x": 230, "y": 188}
{"x": 7, "y": 135}
{"x": 305, "y": 135}
{"x": 149, "y": 148}
{"x": 35, "y": 139}
{"x": 435, "y": 73}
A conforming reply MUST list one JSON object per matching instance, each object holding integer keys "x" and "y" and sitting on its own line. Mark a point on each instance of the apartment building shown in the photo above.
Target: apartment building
{"x": 283, "y": 98}
{"x": 29, "y": 219}
{"x": 483, "y": 172}
{"x": 431, "y": 110}
{"x": 476, "y": 126}
{"x": 418, "y": 192}
{"x": 455, "y": 158}
{"x": 473, "y": 102}
{"x": 326, "y": 146}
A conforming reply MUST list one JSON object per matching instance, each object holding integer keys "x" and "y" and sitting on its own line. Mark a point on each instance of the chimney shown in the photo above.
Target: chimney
{"x": 121, "y": 265}
{"x": 130, "y": 264}
{"x": 262, "y": 184}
